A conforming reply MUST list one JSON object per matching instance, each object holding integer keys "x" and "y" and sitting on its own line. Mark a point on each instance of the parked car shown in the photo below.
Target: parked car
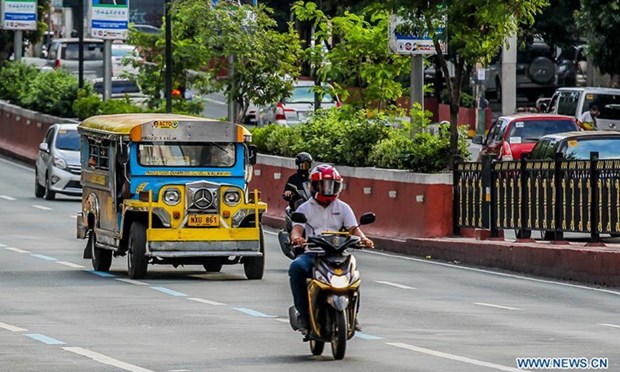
{"x": 57, "y": 168}
{"x": 122, "y": 57}
{"x": 64, "y": 53}
{"x": 512, "y": 135}
{"x": 578, "y": 145}
{"x": 572, "y": 67}
{"x": 576, "y": 100}
{"x": 296, "y": 108}
{"x": 536, "y": 72}
{"x": 122, "y": 88}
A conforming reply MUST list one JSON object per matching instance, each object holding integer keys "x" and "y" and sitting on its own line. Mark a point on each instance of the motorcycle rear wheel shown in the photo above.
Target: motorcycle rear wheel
{"x": 316, "y": 347}
{"x": 339, "y": 335}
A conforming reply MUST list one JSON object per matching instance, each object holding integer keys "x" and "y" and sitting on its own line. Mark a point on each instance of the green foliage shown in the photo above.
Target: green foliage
{"x": 52, "y": 92}
{"x": 86, "y": 105}
{"x": 392, "y": 152}
{"x": 466, "y": 99}
{"x": 600, "y": 19}
{"x": 15, "y": 78}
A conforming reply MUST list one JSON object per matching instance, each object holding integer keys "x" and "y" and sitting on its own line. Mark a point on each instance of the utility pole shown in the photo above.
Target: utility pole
{"x": 80, "y": 31}
{"x": 168, "y": 93}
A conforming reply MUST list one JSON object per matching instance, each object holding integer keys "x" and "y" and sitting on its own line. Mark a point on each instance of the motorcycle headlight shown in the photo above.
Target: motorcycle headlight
{"x": 232, "y": 198}
{"x": 59, "y": 162}
{"x": 339, "y": 281}
{"x": 321, "y": 278}
{"x": 172, "y": 196}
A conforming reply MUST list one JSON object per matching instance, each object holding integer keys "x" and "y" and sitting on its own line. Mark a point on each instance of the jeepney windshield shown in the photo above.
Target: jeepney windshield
{"x": 176, "y": 154}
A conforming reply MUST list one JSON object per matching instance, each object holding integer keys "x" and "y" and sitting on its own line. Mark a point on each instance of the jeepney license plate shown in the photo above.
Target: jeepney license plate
{"x": 203, "y": 220}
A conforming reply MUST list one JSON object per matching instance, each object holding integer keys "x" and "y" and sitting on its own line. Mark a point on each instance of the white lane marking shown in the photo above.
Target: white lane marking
{"x": 255, "y": 313}
{"x": 106, "y": 359}
{"x": 496, "y": 306}
{"x": 11, "y": 328}
{"x": 203, "y": 301}
{"x": 402, "y": 286}
{"x": 453, "y": 357}
{"x": 609, "y": 325}
{"x": 171, "y": 292}
{"x": 73, "y": 216}
{"x": 41, "y": 207}
{"x": 70, "y": 264}
{"x": 283, "y": 320}
{"x": 366, "y": 336}
{"x": 2, "y": 245}
{"x": 45, "y": 339}
{"x": 16, "y": 250}
{"x": 102, "y": 274}
{"x": 6, "y": 197}
{"x": 44, "y": 257}
{"x": 490, "y": 272}
{"x": 17, "y": 165}
{"x": 131, "y": 281}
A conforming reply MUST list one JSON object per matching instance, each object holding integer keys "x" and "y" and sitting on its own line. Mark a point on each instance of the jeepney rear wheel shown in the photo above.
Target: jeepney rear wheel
{"x": 254, "y": 267}
{"x": 137, "y": 262}
{"x": 101, "y": 258}
{"x": 213, "y": 267}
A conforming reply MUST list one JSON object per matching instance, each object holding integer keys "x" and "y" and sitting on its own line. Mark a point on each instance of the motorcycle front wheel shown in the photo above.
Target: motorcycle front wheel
{"x": 339, "y": 335}
{"x": 316, "y": 347}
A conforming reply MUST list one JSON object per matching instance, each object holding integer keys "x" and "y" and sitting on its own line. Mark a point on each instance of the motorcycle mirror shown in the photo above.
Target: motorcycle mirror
{"x": 299, "y": 217}
{"x": 367, "y": 218}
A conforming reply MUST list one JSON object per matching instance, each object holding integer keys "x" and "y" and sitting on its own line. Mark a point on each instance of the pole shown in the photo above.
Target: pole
{"x": 107, "y": 69}
{"x": 18, "y": 44}
{"x": 416, "y": 88}
{"x": 509, "y": 77}
{"x": 80, "y": 31}
{"x": 168, "y": 93}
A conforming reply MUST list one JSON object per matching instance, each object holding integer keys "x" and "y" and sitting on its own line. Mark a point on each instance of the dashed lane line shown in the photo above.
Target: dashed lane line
{"x": 16, "y": 250}
{"x": 203, "y": 301}
{"x": 44, "y": 257}
{"x": 169, "y": 291}
{"x": 101, "y": 273}
{"x": 609, "y": 325}
{"x": 255, "y": 313}
{"x": 44, "y": 339}
{"x": 6, "y": 197}
{"x": 70, "y": 264}
{"x": 12, "y": 328}
{"x": 41, "y": 207}
{"x": 104, "y": 359}
{"x": 401, "y": 286}
{"x": 497, "y": 306}
{"x": 457, "y": 358}
{"x": 131, "y": 281}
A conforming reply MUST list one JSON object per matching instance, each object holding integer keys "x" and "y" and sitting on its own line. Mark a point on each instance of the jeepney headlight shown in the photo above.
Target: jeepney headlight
{"x": 238, "y": 217}
{"x": 232, "y": 198}
{"x": 339, "y": 281}
{"x": 172, "y": 196}
{"x": 59, "y": 162}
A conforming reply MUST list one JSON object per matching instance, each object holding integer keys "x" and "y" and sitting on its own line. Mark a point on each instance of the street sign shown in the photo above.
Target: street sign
{"x": 19, "y": 14}
{"x": 405, "y": 39}
{"x": 109, "y": 19}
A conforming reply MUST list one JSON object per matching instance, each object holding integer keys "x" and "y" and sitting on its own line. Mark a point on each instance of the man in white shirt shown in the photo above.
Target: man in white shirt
{"x": 324, "y": 212}
{"x": 587, "y": 120}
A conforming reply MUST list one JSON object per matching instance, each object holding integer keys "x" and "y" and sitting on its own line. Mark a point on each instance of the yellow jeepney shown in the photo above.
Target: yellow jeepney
{"x": 169, "y": 189}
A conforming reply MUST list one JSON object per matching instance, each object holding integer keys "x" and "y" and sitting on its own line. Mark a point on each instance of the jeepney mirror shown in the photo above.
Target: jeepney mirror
{"x": 252, "y": 152}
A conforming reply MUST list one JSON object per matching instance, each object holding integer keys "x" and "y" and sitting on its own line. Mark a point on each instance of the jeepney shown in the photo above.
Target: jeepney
{"x": 169, "y": 189}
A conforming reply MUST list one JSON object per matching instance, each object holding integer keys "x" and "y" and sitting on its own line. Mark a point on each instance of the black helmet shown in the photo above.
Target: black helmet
{"x": 303, "y": 160}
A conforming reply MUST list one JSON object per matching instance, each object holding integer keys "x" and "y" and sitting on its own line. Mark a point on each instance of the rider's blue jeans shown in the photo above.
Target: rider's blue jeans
{"x": 299, "y": 271}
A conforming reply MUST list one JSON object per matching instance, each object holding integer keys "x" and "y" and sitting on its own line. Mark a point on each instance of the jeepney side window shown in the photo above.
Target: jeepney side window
{"x": 98, "y": 154}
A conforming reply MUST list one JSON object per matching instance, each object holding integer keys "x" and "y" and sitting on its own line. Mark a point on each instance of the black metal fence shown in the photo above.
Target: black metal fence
{"x": 553, "y": 196}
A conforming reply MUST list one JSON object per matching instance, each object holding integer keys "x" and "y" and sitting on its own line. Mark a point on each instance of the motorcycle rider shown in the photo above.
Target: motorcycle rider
{"x": 324, "y": 211}
{"x": 303, "y": 160}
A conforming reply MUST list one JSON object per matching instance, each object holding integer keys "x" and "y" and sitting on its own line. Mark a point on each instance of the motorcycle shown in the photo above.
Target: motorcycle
{"x": 284, "y": 234}
{"x": 333, "y": 290}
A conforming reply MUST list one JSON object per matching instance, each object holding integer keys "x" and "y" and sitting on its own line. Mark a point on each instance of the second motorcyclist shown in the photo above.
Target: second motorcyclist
{"x": 296, "y": 181}
{"x": 324, "y": 212}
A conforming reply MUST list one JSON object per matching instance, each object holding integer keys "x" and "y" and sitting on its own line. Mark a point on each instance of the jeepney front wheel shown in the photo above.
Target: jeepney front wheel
{"x": 254, "y": 267}
{"x": 137, "y": 262}
{"x": 101, "y": 258}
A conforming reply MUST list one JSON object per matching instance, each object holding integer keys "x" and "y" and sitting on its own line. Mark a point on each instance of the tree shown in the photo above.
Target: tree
{"x": 556, "y": 23}
{"x": 265, "y": 60}
{"x": 476, "y": 30}
{"x": 600, "y": 19}
{"x": 7, "y": 36}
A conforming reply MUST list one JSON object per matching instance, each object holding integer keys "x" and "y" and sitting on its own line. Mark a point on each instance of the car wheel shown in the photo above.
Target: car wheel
{"x": 101, "y": 258}
{"x": 541, "y": 70}
{"x": 49, "y": 194}
{"x": 137, "y": 262}
{"x": 39, "y": 191}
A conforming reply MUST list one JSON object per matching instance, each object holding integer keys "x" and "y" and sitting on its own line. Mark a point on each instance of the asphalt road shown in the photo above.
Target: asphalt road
{"x": 56, "y": 314}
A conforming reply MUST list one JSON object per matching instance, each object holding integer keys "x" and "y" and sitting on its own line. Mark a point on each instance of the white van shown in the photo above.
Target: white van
{"x": 576, "y": 100}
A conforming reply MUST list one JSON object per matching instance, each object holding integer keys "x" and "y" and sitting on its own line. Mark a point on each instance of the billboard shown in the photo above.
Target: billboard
{"x": 410, "y": 38}
{"x": 109, "y": 19}
{"x": 19, "y": 14}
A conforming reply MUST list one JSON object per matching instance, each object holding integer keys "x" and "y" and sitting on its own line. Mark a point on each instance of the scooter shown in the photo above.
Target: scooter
{"x": 284, "y": 236}
{"x": 333, "y": 290}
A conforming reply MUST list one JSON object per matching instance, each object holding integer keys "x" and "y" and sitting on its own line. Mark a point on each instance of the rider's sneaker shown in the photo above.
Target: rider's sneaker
{"x": 303, "y": 325}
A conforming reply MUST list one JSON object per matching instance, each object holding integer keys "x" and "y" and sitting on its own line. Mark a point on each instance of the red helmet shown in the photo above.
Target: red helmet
{"x": 325, "y": 182}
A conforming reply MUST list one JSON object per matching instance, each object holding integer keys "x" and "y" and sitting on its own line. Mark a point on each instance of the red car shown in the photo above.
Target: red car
{"x": 512, "y": 135}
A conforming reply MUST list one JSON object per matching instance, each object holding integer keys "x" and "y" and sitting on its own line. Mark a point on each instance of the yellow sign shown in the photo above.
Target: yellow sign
{"x": 203, "y": 220}
{"x": 165, "y": 124}
{"x": 188, "y": 173}
{"x": 572, "y": 143}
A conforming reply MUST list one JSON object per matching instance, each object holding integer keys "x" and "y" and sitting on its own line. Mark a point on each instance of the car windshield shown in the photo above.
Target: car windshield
{"x": 531, "y": 130}
{"x": 607, "y": 148}
{"x": 118, "y": 87}
{"x": 608, "y": 104}
{"x": 68, "y": 139}
{"x": 306, "y": 95}
{"x": 169, "y": 154}
{"x": 92, "y": 51}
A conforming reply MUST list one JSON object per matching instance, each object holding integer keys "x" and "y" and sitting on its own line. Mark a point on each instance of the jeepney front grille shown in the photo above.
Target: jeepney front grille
{"x": 202, "y": 199}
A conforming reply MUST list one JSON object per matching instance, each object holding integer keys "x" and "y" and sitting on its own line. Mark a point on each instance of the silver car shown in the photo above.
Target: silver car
{"x": 57, "y": 167}
{"x": 296, "y": 108}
